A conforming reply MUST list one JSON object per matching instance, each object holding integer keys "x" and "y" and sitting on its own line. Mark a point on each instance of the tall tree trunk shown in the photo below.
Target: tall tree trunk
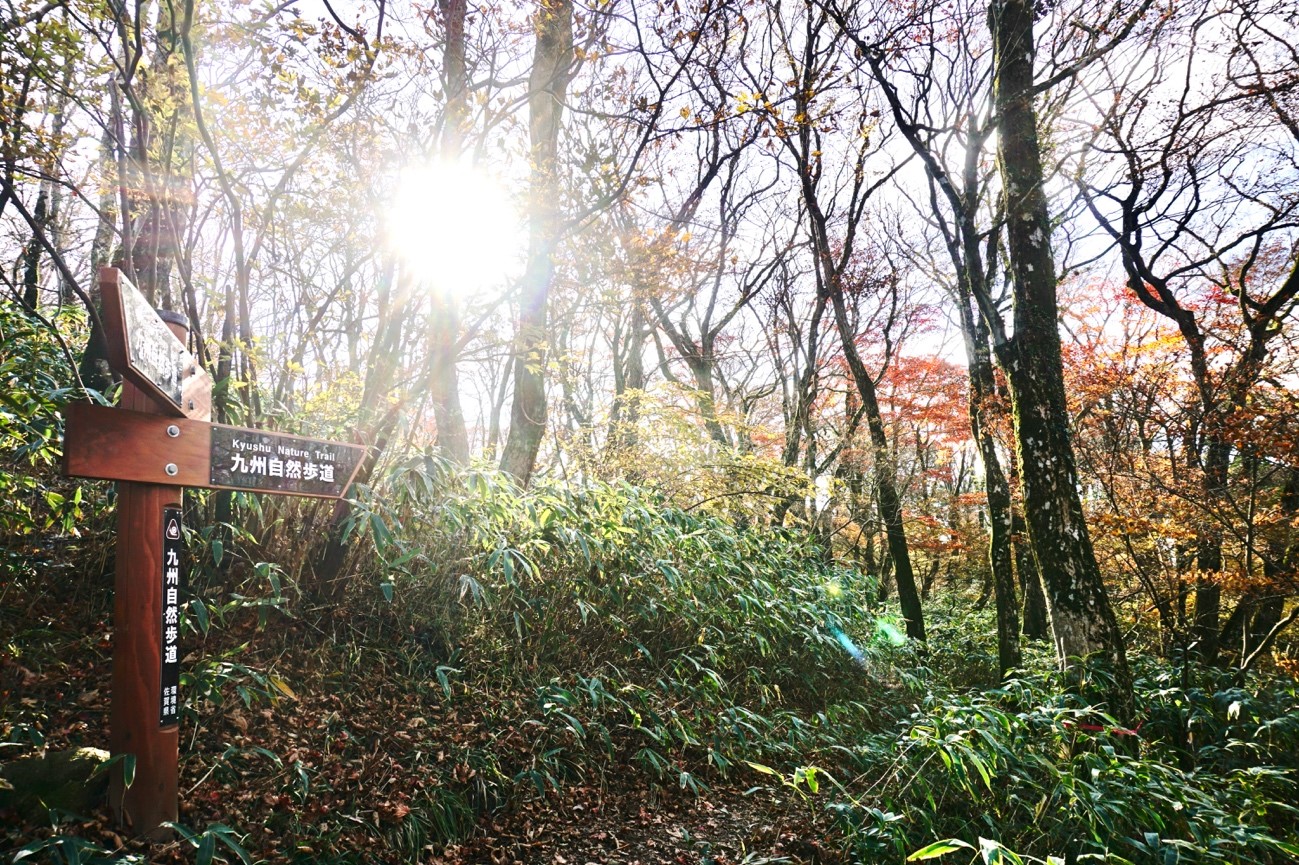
{"x": 963, "y": 244}
{"x": 628, "y": 376}
{"x": 886, "y": 489}
{"x": 983, "y": 391}
{"x": 547, "y": 88}
{"x": 444, "y": 381}
{"x": 45, "y": 214}
{"x": 221, "y": 400}
{"x": 1082, "y": 620}
{"x": 701, "y": 369}
{"x": 158, "y": 135}
{"x": 94, "y": 370}
{"x": 223, "y": 500}
{"x": 324, "y": 580}
{"x": 31, "y": 254}
{"x": 831, "y": 265}
{"x": 801, "y": 391}
{"x": 455, "y": 78}
{"x": 700, "y": 358}
{"x": 67, "y": 290}
{"x": 1035, "y": 622}
{"x": 497, "y": 409}
{"x": 1208, "y": 558}
{"x": 444, "y": 333}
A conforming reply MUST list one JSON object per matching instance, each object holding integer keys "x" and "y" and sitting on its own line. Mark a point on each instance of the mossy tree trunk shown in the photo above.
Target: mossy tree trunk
{"x": 1034, "y": 623}
{"x": 1082, "y": 619}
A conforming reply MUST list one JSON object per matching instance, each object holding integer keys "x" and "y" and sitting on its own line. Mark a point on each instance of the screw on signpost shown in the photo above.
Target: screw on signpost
{"x": 138, "y": 642}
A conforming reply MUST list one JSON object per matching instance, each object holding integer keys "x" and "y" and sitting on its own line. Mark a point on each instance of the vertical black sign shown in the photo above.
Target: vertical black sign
{"x": 171, "y": 550}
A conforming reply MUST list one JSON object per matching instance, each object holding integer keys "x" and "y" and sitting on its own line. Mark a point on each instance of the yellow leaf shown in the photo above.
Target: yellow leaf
{"x": 283, "y": 687}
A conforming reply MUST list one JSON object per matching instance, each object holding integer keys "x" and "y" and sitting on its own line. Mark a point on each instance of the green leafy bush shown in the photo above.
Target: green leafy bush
{"x": 36, "y": 380}
{"x": 631, "y": 581}
{"x": 1034, "y": 767}
{"x": 693, "y": 649}
{"x": 671, "y": 640}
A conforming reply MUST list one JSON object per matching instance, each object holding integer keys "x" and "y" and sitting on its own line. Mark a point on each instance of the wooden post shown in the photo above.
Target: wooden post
{"x": 134, "y": 727}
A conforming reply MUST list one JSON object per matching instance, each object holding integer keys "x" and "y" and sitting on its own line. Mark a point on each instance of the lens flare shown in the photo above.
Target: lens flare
{"x": 890, "y": 632}
{"x": 848, "y": 645}
{"x": 454, "y": 227}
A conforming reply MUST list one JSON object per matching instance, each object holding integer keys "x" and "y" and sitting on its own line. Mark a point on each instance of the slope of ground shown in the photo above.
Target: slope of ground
{"x": 333, "y": 753}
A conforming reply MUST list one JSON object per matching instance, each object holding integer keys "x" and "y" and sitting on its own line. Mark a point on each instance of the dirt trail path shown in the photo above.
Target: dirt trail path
{"x": 631, "y": 827}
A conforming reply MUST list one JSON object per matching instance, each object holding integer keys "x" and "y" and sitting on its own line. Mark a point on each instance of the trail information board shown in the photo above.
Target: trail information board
{"x": 143, "y": 348}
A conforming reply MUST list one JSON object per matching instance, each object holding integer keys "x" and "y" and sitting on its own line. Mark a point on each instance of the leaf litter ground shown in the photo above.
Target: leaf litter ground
{"x": 339, "y": 754}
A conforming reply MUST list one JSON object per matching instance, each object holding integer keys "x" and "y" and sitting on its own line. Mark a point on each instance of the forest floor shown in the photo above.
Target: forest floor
{"x": 635, "y": 826}
{"x": 316, "y": 749}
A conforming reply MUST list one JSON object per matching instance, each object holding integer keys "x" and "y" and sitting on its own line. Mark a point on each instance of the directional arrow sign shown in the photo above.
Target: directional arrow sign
{"x": 121, "y": 445}
{"x": 142, "y": 347}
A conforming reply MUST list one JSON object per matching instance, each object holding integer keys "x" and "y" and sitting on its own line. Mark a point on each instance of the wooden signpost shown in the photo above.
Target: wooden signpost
{"x": 157, "y": 441}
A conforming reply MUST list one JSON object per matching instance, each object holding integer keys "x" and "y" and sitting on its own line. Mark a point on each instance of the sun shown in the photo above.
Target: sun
{"x": 454, "y": 228}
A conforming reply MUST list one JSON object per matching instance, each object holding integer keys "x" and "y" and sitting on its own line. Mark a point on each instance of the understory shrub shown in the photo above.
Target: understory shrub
{"x": 690, "y": 647}
{"x": 1033, "y": 767}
